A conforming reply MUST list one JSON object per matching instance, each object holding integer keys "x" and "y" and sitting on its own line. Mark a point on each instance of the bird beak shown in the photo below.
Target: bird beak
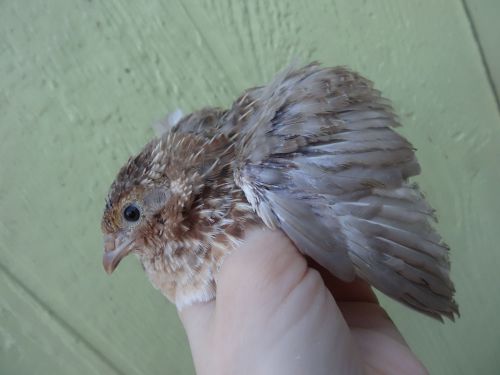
{"x": 115, "y": 249}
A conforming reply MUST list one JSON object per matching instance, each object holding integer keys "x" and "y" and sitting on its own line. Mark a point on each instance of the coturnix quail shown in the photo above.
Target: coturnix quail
{"x": 313, "y": 154}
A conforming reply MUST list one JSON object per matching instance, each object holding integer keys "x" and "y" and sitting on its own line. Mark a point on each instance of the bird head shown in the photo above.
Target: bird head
{"x": 152, "y": 204}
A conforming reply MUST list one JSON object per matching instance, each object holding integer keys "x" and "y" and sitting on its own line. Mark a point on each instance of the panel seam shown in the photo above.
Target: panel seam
{"x": 482, "y": 54}
{"x": 58, "y": 320}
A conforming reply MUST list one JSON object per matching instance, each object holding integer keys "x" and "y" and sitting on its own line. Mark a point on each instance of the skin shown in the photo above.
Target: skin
{"x": 276, "y": 314}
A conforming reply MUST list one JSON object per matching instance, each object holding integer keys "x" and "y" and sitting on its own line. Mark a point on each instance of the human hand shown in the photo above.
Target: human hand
{"x": 275, "y": 314}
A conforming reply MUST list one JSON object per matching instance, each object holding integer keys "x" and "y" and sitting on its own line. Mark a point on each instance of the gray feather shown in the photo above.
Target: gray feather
{"x": 318, "y": 158}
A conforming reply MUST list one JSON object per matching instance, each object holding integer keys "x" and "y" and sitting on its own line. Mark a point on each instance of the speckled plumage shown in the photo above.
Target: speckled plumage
{"x": 313, "y": 154}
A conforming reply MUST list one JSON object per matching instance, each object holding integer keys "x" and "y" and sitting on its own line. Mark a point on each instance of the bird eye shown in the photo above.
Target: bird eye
{"x": 131, "y": 213}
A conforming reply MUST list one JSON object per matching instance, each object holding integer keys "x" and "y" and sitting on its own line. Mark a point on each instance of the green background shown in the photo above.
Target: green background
{"x": 82, "y": 81}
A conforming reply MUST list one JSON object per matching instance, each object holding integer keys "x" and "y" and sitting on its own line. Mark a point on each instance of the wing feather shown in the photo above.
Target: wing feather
{"x": 318, "y": 158}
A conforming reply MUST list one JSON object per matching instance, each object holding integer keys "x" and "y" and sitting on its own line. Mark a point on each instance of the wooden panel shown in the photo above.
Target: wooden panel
{"x": 82, "y": 81}
{"x": 483, "y": 15}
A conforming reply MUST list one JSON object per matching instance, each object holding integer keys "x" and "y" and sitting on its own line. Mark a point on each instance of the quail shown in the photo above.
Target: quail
{"x": 313, "y": 154}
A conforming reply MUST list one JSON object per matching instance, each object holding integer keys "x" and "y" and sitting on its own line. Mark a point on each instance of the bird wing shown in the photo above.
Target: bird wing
{"x": 318, "y": 158}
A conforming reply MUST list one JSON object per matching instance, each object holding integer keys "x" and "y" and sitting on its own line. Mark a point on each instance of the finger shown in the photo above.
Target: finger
{"x": 356, "y": 291}
{"x": 196, "y": 320}
{"x": 370, "y": 316}
{"x": 196, "y": 316}
{"x": 359, "y": 304}
{"x": 381, "y": 344}
{"x": 263, "y": 268}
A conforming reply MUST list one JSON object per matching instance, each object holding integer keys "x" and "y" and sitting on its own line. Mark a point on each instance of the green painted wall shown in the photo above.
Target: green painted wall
{"x": 80, "y": 84}
{"x": 484, "y": 15}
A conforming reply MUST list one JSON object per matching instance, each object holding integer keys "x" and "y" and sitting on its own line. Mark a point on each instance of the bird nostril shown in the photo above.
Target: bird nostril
{"x": 109, "y": 244}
